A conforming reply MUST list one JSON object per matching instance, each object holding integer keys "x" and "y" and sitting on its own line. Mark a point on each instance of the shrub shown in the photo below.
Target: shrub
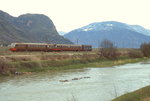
{"x": 145, "y": 48}
{"x": 108, "y": 50}
{"x": 4, "y": 67}
{"x": 135, "y": 54}
{"x": 30, "y": 64}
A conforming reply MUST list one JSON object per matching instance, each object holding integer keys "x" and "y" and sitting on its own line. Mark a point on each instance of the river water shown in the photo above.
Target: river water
{"x": 90, "y": 84}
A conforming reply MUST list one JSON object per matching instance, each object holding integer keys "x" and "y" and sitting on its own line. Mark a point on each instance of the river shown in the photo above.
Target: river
{"x": 89, "y": 84}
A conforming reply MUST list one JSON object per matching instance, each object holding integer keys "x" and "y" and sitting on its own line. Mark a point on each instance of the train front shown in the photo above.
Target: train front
{"x": 12, "y": 47}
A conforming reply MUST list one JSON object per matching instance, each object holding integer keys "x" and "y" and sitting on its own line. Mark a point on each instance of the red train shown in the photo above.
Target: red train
{"x": 48, "y": 47}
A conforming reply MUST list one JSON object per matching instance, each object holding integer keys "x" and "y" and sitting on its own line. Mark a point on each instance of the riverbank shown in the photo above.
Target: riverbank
{"x": 103, "y": 84}
{"x": 27, "y": 64}
{"x": 142, "y": 94}
{"x": 17, "y": 63}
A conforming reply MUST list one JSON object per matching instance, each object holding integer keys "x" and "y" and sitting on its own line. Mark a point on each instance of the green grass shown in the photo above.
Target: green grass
{"x": 142, "y": 94}
{"x": 56, "y": 61}
{"x": 48, "y": 65}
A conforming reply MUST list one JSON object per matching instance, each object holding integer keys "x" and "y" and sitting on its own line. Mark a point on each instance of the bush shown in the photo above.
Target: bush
{"x": 145, "y": 48}
{"x": 30, "y": 64}
{"x": 135, "y": 54}
{"x": 5, "y": 68}
{"x": 108, "y": 50}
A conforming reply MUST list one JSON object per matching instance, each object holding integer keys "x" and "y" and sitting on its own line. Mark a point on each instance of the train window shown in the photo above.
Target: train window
{"x": 16, "y": 45}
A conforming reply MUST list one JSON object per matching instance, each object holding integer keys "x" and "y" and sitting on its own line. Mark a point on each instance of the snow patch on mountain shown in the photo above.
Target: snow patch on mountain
{"x": 87, "y": 29}
{"x": 110, "y": 25}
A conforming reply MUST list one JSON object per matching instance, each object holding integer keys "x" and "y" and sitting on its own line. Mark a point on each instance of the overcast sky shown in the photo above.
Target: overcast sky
{"x": 71, "y": 14}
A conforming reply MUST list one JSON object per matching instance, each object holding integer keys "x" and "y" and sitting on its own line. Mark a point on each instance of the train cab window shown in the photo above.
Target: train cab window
{"x": 16, "y": 45}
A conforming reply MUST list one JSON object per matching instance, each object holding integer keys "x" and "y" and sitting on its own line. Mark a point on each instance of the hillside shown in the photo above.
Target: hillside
{"x": 28, "y": 28}
{"x": 121, "y": 34}
{"x": 8, "y": 32}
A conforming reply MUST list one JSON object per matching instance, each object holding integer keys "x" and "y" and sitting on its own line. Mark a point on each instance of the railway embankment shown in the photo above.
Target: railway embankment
{"x": 43, "y": 62}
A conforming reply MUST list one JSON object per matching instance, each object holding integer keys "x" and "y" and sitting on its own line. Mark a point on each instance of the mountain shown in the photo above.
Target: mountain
{"x": 8, "y": 32}
{"x": 140, "y": 29}
{"x": 61, "y": 33}
{"x": 28, "y": 28}
{"x": 121, "y": 34}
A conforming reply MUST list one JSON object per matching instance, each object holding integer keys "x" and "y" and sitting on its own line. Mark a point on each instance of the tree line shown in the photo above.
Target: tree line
{"x": 108, "y": 50}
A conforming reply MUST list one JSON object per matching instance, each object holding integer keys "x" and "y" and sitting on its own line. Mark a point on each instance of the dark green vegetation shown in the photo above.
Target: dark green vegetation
{"x": 28, "y": 28}
{"x": 142, "y": 94}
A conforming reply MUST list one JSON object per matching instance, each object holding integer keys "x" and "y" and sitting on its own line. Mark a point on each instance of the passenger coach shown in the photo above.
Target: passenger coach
{"x": 48, "y": 47}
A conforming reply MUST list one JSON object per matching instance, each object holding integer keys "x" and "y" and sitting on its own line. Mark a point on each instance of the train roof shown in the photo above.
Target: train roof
{"x": 32, "y": 43}
{"x": 47, "y": 44}
{"x": 68, "y": 45}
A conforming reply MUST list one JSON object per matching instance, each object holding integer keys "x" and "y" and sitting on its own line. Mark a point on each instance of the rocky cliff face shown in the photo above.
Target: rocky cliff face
{"x": 28, "y": 28}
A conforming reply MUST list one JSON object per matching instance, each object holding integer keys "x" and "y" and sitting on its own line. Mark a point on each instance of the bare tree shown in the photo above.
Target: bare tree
{"x": 107, "y": 50}
{"x": 145, "y": 48}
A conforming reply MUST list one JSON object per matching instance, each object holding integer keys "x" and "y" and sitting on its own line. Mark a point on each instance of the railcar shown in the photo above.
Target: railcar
{"x": 48, "y": 47}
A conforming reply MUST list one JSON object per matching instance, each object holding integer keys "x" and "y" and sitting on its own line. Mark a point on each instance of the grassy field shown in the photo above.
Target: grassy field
{"x": 24, "y": 62}
{"x": 142, "y": 94}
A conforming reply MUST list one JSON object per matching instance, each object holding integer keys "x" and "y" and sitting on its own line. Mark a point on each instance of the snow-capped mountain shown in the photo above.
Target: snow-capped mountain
{"x": 140, "y": 29}
{"x": 103, "y": 26}
{"x": 123, "y": 35}
{"x": 109, "y": 25}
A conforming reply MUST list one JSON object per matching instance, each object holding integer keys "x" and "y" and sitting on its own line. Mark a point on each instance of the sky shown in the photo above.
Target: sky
{"x": 68, "y": 15}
